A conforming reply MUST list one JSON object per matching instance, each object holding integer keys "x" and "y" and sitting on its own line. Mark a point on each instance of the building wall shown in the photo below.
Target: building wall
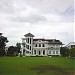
{"x": 39, "y": 50}
{"x": 70, "y": 45}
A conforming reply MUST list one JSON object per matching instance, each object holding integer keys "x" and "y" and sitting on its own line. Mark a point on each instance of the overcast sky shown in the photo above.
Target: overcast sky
{"x": 53, "y": 19}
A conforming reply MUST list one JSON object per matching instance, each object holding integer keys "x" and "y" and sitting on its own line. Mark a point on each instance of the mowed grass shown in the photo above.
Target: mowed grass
{"x": 37, "y": 66}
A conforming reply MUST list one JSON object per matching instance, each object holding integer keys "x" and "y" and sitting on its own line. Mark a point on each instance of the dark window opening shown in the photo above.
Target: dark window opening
{"x": 35, "y": 52}
{"x": 30, "y": 40}
{"x": 43, "y": 52}
{"x": 36, "y": 45}
{"x": 23, "y": 51}
{"x": 43, "y": 45}
{"x": 39, "y": 52}
{"x": 30, "y": 47}
{"x": 39, "y": 45}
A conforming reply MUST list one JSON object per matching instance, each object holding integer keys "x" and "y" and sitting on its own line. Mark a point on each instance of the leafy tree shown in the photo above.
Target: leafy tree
{"x": 12, "y": 51}
{"x": 18, "y": 47}
{"x": 64, "y": 51}
{"x": 3, "y": 41}
{"x": 72, "y": 52}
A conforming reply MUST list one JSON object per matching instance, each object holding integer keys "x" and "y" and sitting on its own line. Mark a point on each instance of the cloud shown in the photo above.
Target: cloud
{"x": 46, "y": 6}
{"x": 48, "y": 18}
{"x": 6, "y": 6}
{"x": 32, "y": 18}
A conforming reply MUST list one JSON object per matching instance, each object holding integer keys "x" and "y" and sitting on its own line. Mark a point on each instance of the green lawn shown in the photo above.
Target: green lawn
{"x": 37, "y": 66}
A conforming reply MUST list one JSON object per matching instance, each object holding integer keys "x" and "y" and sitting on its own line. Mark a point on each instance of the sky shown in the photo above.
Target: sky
{"x": 49, "y": 19}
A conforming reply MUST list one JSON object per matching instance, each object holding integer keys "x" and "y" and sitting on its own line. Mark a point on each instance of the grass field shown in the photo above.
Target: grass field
{"x": 37, "y": 66}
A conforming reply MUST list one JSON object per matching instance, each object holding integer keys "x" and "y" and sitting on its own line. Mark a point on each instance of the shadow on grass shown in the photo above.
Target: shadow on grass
{"x": 51, "y": 70}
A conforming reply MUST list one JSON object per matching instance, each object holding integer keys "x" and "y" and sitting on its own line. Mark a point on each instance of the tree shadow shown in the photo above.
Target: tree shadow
{"x": 51, "y": 70}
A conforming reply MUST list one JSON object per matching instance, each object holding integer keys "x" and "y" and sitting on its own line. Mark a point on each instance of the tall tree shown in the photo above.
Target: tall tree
{"x": 18, "y": 47}
{"x": 3, "y": 41}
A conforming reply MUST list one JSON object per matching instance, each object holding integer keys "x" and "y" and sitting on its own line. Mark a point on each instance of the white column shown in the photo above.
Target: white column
{"x": 42, "y": 52}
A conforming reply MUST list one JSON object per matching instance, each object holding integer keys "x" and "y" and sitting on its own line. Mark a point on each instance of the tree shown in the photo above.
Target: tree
{"x": 12, "y": 51}
{"x": 64, "y": 51}
{"x": 72, "y": 52}
{"x": 3, "y": 41}
{"x": 18, "y": 47}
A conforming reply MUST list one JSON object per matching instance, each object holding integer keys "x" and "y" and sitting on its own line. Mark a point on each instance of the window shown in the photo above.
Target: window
{"x": 43, "y": 45}
{"x": 53, "y": 52}
{"x": 24, "y": 45}
{"x": 39, "y": 52}
{"x": 26, "y": 39}
{"x": 27, "y": 46}
{"x": 35, "y": 52}
{"x": 56, "y": 52}
{"x": 27, "y": 51}
{"x": 43, "y": 52}
{"x": 30, "y": 40}
{"x": 39, "y": 40}
{"x": 39, "y": 45}
{"x": 36, "y": 45}
{"x": 51, "y": 47}
{"x": 30, "y": 47}
{"x": 50, "y": 52}
{"x": 23, "y": 51}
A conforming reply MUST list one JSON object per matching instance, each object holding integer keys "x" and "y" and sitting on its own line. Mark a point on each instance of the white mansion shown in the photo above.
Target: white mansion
{"x": 39, "y": 47}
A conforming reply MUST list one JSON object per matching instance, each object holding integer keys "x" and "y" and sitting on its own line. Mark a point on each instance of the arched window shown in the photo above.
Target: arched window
{"x": 43, "y": 52}
{"x": 43, "y": 45}
{"x": 39, "y": 45}
{"x": 36, "y": 45}
{"x": 39, "y": 52}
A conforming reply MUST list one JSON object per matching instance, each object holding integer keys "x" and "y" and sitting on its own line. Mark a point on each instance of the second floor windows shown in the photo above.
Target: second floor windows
{"x": 43, "y": 45}
{"x": 36, "y": 45}
{"x": 39, "y": 45}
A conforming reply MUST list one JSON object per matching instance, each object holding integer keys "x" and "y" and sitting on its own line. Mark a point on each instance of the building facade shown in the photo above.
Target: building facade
{"x": 39, "y": 47}
{"x": 70, "y": 45}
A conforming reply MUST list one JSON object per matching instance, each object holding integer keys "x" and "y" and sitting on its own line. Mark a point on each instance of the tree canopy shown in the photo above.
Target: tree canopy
{"x": 3, "y": 41}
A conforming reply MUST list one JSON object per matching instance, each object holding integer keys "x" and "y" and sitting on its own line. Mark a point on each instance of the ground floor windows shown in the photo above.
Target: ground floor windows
{"x": 27, "y": 52}
{"x": 43, "y": 52}
{"x": 34, "y": 52}
{"x": 56, "y": 52}
{"x": 23, "y": 51}
{"x": 53, "y": 52}
{"x": 49, "y": 51}
{"x": 39, "y": 52}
